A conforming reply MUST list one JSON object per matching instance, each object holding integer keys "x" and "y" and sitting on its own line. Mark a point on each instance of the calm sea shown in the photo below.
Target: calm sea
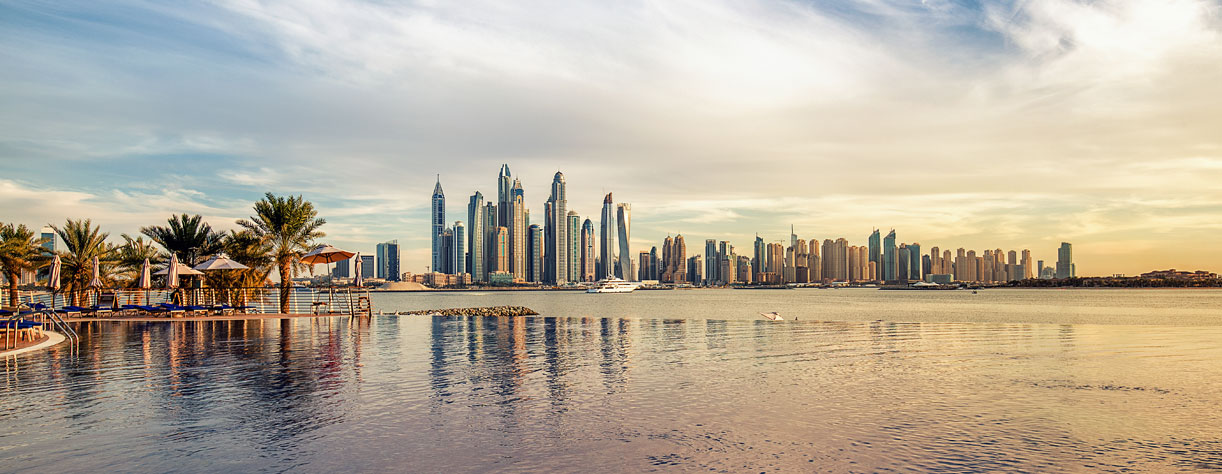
{"x": 862, "y": 381}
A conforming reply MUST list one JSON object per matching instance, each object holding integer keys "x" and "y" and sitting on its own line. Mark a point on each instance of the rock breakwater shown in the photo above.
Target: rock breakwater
{"x": 491, "y": 311}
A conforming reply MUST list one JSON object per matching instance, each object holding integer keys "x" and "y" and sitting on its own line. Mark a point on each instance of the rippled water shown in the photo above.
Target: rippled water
{"x": 618, "y": 393}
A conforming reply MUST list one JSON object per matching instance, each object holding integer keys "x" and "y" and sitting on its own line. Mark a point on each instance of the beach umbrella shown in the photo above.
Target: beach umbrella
{"x": 356, "y": 277}
{"x": 220, "y": 262}
{"x": 180, "y": 269}
{"x": 326, "y": 254}
{"x": 171, "y": 272}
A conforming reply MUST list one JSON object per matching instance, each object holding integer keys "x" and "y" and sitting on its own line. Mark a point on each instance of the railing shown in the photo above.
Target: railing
{"x": 302, "y": 300}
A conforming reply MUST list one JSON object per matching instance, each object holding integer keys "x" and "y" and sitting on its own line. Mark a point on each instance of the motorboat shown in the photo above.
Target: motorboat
{"x": 613, "y": 285}
{"x": 772, "y": 316}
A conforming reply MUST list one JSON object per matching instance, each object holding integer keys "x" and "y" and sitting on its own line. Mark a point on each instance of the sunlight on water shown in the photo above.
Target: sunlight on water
{"x": 613, "y": 394}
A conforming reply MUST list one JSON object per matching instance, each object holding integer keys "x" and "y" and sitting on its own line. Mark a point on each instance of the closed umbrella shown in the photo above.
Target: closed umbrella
{"x": 53, "y": 278}
{"x": 96, "y": 282}
{"x": 171, "y": 272}
{"x": 146, "y": 279}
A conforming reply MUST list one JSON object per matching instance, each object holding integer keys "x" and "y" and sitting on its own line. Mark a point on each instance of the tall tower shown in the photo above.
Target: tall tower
{"x": 573, "y": 230}
{"x": 517, "y": 231}
{"x": 475, "y": 238}
{"x": 557, "y": 251}
{"x": 587, "y": 251}
{"x": 890, "y": 257}
{"x": 504, "y": 191}
{"x": 623, "y": 220}
{"x": 875, "y": 249}
{"x": 460, "y": 248}
{"x": 438, "y": 225}
{"x": 606, "y": 238}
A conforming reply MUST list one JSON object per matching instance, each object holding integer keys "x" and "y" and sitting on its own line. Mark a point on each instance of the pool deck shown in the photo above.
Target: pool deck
{"x": 51, "y": 338}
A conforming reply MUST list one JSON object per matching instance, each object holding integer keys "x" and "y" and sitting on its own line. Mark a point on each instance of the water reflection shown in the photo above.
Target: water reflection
{"x": 551, "y": 393}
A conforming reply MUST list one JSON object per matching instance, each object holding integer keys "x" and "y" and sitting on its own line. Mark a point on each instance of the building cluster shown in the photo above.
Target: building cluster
{"x": 882, "y": 259}
{"x": 1173, "y": 274}
{"x": 383, "y": 264}
{"x": 498, "y": 244}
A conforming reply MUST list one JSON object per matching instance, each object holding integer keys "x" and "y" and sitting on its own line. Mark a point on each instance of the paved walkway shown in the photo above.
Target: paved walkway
{"x": 52, "y": 339}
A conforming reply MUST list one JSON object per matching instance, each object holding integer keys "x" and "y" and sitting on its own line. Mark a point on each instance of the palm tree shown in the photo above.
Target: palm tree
{"x": 187, "y": 236}
{"x": 247, "y": 249}
{"x": 131, "y": 254}
{"x": 288, "y": 226}
{"x": 19, "y": 251}
{"x": 82, "y": 242}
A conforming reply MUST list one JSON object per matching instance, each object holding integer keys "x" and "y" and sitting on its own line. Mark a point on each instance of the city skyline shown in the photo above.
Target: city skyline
{"x": 1014, "y": 125}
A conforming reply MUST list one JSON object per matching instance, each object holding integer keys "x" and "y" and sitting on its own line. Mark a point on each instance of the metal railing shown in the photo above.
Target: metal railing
{"x": 302, "y": 300}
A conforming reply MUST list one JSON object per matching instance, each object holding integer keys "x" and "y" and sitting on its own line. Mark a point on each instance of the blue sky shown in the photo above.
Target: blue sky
{"x": 960, "y": 124}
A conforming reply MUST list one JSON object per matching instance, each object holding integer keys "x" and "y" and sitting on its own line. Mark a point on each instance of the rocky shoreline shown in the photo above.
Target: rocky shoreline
{"x": 489, "y": 311}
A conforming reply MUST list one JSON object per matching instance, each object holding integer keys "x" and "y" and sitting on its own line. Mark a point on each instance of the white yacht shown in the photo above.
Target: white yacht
{"x": 613, "y": 285}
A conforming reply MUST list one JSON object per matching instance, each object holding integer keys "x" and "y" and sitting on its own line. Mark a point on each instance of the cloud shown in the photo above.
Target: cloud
{"x": 1006, "y": 123}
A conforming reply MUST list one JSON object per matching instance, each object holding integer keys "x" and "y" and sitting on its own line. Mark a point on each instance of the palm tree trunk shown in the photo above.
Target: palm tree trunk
{"x": 12, "y": 289}
{"x": 286, "y": 282}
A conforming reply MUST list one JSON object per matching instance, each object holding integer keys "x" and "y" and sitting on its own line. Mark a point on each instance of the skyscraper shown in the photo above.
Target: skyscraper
{"x": 500, "y": 251}
{"x": 678, "y": 253}
{"x": 606, "y": 241}
{"x": 438, "y": 224}
{"x": 367, "y": 266}
{"x": 475, "y": 238}
{"x": 759, "y": 258}
{"x": 588, "y": 253}
{"x": 504, "y": 194}
{"x": 534, "y": 266}
{"x": 1065, "y": 267}
{"x": 623, "y": 221}
{"x": 914, "y": 261}
{"x": 875, "y": 245}
{"x": 517, "y": 231}
{"x": 710, "y": 261}
{"x": 1028, "y": 270}
{"x": 572, "y": 230}
{"x": 460, "y": 248}
{"x": 447, "y": 252}
{"x": 556, "y": 239}
{"x": 388, "y": 260}
{"x": 889, "y": 257}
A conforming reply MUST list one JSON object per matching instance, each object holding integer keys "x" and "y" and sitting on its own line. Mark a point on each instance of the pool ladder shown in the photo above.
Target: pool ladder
{"x": 59, "y": 323}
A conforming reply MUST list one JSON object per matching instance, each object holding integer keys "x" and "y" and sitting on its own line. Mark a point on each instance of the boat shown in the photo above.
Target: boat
{"x": 613, "y": 285}
{"x": 773, "y": 316}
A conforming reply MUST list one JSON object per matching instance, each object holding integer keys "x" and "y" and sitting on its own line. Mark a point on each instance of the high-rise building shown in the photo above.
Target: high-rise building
{"x": 694, "y": 268}
{"x": 890, "y": 269}
{"x": 914, "y": 261}
{"x": 1028, "y": 269}
{"x": 460, "y": 248}
{"x": 556, "y": 237}
{"x": 367, "y": 266}
{"x": 588, "y": 253}
{"x": 606, "y": 240}
{"x": 1065, "y": 268}
{"x": 534, "y": 267}
{"x": 500, "y": 251}
{"x": 678, "y": 253}
{"x": 388, "y": 260}
{"x": 759, "y": 258}
{"x": 710, "y": 260}
{"x": 642, "y": 268}
{"x": 342, "y": 269}
{"x": 447, "y": 252}
{"x": 814, "y": 262}
{"x": 477, "y": 257}
{"x": 1040, "y": 269}
{"x": 504, "y": 194}
{"x": 623, "y": 221}
{"x": 744, "y": 269}
{"x": 572, "y": 230}
{"x": 654, "y": 274}
{"x": 875, "y": 249}
{"x": 490, "y": 243}
{"x": 517, "y": 231}
{"x": 438, "y": 223}
{"x": 903, "y": 260}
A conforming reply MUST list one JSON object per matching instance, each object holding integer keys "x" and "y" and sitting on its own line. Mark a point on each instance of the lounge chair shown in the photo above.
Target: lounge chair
{"x": 173, "y": 309}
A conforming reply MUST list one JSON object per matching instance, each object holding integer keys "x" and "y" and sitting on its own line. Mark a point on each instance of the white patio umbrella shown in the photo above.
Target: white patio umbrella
{"x": 356, "y": 277}
{"x": 220, "y": 262}
{"x": 179, "y": 269}
{"x": 146, "y": 280}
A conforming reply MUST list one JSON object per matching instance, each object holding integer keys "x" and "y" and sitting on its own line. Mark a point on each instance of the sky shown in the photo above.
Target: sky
{"x": 958, "y": 123}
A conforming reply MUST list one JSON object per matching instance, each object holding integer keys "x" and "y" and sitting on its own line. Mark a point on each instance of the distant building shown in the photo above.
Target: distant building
{"x": 623, "y": 221}
{"x": 1065, "y": 268}
{"x": 367, "y": 266}
{"x": 606, "y": 240}
{"x": 588, "y": 252}
{"x": 1172, "y": 274}
{"x": 890, "y": 265}
{"x": 573, "y": 232}
{"x": 388, "y": 260}
{"x": 438, "y": 224}
{"x": 476, "y": 249}
{"x": 500, "y": 251}
{"x": 534, "y": 266}
{"x": 460, "y": 248}
{"x": 342, "y": 269}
